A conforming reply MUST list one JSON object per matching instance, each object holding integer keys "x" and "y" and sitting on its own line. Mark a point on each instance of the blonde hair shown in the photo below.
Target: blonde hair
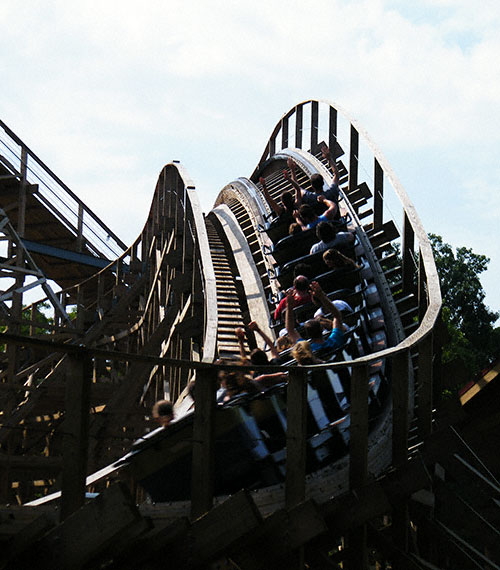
{"x": 302, "y": 352}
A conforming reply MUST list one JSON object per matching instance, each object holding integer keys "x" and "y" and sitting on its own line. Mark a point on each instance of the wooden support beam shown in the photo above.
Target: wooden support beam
{"x": 358, "y": 548}
{"x": 299, "y": 117}
{"x": 231, "y": 522}
{"x": 358, "y": 463}
{"x": 358, "y": 444}
{"x": 76, "y": 429}
{"x": 41, "y": 464}
{"x": 276, "y": 543}
{"x": 314, "y": 126}
{"x": 393, "y": 551}
{"x": 332, "y": 131}
{"x": 377, "y": 498}
{"x": 408, "y": 255}
{"x": 87, "y": 532}
{"x": 272, "y": 146}
{"x": 152, "y": 547}
{"x": 422, "y": 292}
{"x": 284, "y": 132}
{"x": 378, "y": 195}
{"x": 295, "y": 485}
{"x": 400, "y": 372}
{"x": 353, "y": 159}
{"x": 22, "y": 541}
{"x": 425, "y": 384}
{"x": 202, "y": 481}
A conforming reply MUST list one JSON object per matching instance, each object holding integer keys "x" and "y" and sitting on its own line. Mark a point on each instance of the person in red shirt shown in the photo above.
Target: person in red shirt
{"x": 301, "y": 295}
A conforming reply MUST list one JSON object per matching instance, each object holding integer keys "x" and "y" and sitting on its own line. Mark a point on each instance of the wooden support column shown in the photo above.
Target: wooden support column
{"x": 284, "y": 132}
{"x": 332, "y": 132}
{"x": 425, "y": 384}
{"x": 400, "y": 375}
{"x": 272, "y": 146}
{"x": 358, "y": 464}
{"x": 400, "y": 425}
{"x": 400, "y": 533}
{"x": 295, "y": 483}
{"x": 299, "y": 117}
{"x": 76, "y": 430}
{"x": 358, "y": 444}
{"x": 314, "y": 126}
{"x": 80, "y": 310}
{"x": 422, "y": 293}
{"x": 202, "y": 471}
{"x": 378, "y": 195}
{"x": 408, "y": 253}
{"x": 353, "y": 159}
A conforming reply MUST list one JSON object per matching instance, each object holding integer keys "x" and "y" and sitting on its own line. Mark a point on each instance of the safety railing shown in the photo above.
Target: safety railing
{"x": 17, "y": 159}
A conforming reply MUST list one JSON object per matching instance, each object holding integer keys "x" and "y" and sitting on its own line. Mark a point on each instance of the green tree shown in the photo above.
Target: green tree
{"x": 469, "y": 321}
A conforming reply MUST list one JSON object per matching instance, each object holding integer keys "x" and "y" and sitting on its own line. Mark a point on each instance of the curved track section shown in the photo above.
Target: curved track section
{"x": 180, "y": 290}
{"x": 157, "y": 299}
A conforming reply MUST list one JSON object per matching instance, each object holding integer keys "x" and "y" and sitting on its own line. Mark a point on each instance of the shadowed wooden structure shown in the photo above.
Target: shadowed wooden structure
{"x": 77, "y": 388}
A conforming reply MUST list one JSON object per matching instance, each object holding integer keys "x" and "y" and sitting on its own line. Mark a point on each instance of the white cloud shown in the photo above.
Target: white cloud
{"x": 108, "y": 92}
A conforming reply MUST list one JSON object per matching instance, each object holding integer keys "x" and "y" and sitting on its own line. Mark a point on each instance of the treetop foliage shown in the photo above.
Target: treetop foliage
{"x": 470, "y": 322}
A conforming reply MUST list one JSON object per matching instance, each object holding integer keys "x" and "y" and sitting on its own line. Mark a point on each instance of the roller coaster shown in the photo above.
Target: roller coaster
{"x": 118, "y": 328}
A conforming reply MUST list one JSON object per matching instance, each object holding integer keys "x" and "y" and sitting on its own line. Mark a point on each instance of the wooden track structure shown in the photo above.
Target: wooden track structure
{"x": 76, "y": 392}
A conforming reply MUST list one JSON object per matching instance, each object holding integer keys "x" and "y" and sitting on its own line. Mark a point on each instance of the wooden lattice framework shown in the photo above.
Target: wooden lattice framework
{"x": 147, "y": 321}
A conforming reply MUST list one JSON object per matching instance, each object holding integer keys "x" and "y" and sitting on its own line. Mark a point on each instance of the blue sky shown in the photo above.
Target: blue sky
{"x": 107, "y": 93}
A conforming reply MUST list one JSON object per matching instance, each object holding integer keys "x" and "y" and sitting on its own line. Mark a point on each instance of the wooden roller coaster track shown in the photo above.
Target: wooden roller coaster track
{"x": 82, "y": 366}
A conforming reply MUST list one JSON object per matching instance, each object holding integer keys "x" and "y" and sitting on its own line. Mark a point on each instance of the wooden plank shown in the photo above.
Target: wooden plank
{"x": 23, "y": 540}
{"x": 275, "y": 543}
{"x": 375, "y": 499}
{"x": 202, "y": 482}
{"x": 295, "y": 486}
{"x": 359, "y": 192}
{"x": 384, "y": 234}
{"x": 235, "y": 519}
{"x": 151, "y": 547}
{"x": 15, "y": 519}
{"x": 87, "y": 532}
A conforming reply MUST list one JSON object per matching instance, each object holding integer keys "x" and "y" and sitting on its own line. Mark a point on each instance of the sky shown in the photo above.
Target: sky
{"x": 106, "y": 93}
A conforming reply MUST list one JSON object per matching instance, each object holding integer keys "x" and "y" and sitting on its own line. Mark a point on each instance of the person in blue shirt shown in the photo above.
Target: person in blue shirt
{"x": 314, "y": 327}
{"x": 307, "y": 217}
